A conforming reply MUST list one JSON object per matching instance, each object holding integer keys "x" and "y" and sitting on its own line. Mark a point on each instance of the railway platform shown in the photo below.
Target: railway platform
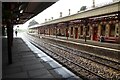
{"x": 30, "y": 62}
{"x": 89, "y": 42}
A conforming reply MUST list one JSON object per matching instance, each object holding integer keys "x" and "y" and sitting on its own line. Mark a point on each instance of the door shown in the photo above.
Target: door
{"x": 67, "y": 33}
{"x": 76, "y": 33}
{"x": 95, "y": 30}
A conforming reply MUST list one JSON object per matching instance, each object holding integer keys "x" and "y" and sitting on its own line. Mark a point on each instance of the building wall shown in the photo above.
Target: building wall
{"x": 109, "y": 28}
{"x": 104, "y": 27}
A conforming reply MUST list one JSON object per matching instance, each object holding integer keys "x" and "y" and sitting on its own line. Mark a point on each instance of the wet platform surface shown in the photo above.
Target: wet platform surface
{"x": 30, "y": 62}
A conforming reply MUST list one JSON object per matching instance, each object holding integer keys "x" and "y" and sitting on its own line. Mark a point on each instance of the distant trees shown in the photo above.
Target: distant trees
{"x": 33, "y": 22}
{"x": 83, "y": 8}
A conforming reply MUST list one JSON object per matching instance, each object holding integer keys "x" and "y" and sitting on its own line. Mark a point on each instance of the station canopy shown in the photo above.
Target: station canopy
{"x": 20, "y": 12}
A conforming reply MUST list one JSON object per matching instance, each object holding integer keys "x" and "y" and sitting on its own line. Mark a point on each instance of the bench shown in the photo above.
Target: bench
{"x": 109, "y": 39}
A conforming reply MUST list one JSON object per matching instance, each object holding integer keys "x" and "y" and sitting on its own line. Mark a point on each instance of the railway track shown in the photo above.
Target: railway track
{"x": 110, "y": 63}
{"x": 88, "y": 66}
{"x": 70, "y": 64}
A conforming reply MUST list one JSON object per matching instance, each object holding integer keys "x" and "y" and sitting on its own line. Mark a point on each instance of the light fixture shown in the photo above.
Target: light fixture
{"x": 17, "y": 18}
{"x": 20, "y": 7}
{"x": 21, "y": 11}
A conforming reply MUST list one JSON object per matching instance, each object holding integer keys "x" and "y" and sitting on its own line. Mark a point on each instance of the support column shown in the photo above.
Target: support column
{"x": 56, "y": 31}
{"x": 91, "y": 32}
{"x": 107, "y": 30}
{"x": 69, "y": 31}
{"x": 44, "y": 31}
{"x": 67, "y": 34}
{"x": 78, "y": 31}
{"x": 119, "y": 24}
{"x": 99, "y": 30}
{"x": 49, "y": 31}
{"x": 9, "y": 40}
{"x": 119, "y": 27}
{"x": 73, "y": 32}
{"x": 85, "y": 33}
{"x": 116, "y": 29}
{"x": 119, "y": 32}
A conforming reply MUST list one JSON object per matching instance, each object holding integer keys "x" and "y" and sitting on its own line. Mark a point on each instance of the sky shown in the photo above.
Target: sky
{"x": 64, "y": 6}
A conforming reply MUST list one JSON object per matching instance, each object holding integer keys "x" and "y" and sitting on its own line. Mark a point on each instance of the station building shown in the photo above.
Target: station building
{"x": 103, "y": 21}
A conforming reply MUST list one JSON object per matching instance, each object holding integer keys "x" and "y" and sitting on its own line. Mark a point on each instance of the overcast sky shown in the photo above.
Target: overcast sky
{"x": 63, "y": 6}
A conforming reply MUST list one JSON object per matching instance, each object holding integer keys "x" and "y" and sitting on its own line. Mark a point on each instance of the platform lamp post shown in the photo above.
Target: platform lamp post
{"x": 93, "y": 3}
